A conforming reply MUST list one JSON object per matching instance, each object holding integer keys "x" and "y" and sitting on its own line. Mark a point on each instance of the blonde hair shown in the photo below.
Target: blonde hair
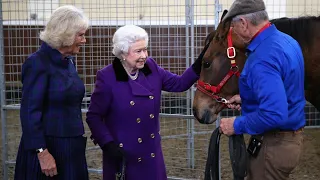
{"x": 63, "y": 25}
{"x": 125, "y": 36}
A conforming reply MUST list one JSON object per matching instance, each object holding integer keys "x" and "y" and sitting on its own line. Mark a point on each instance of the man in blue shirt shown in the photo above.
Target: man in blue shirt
{"x": 272, "y": 97}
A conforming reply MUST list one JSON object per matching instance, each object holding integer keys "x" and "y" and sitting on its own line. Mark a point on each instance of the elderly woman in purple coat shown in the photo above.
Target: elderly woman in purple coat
{"x": 123, "y": 115}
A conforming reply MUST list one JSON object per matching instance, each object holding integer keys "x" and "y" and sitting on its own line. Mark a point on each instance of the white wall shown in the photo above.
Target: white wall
{"x": 145, "y": 12}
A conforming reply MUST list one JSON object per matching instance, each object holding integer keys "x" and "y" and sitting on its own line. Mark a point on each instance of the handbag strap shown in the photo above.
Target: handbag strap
{"x": 121, "y": 175}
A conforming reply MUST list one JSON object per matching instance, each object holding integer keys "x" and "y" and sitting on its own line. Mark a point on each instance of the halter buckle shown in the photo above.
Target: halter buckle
{"x": 222, "y": 100}
{"x": 231, "y": 50}
{"x": 234, "y": 68}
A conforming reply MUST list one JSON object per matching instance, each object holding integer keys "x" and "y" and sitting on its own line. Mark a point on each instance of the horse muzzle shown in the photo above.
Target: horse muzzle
{"x": 206, "y": 118}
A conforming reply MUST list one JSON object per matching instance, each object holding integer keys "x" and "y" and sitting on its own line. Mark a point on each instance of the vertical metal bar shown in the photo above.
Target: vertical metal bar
{"x": 187, "y": 16}
{"x": 191, "y": 15}
{"x": 305, "y": 7}
{"x": 217, "y": 125}
{"x": 218, "y": 9}
{"x": 2, "y": 99}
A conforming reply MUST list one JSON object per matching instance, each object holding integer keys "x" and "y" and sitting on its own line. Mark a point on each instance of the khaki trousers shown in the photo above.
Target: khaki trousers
{"x": 278, "y": 157}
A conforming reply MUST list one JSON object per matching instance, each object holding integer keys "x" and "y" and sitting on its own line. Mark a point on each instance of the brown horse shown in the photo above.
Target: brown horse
{"x": 222, "y": 66}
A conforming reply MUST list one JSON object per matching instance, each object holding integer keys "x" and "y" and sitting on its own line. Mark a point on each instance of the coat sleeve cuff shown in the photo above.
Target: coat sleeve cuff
{"x": 238, "y": 125}
{"x": 192, "y": 76}
{"x": 34, "y": 143}
{"x": 101, "y": 141}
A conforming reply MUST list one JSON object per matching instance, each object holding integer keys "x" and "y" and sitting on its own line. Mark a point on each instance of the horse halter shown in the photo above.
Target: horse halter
{"x": 212, "y": 90}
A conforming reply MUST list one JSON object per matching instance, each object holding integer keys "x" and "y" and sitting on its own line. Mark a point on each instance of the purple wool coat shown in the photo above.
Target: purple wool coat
{"x": 127, "y": 112}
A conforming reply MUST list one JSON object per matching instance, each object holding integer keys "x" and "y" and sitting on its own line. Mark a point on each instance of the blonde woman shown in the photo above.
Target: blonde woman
{"x": 52, "y": 144}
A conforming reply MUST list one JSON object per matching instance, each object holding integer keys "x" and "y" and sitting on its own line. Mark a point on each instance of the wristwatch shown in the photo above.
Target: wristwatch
{"x": 40, "y": 150}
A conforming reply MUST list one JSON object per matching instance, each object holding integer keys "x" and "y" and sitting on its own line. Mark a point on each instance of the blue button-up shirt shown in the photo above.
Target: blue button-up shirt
{"x": 272, "y": 85}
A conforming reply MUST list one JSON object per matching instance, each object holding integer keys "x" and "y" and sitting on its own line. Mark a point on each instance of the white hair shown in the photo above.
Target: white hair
{"x": 63, "y": 25}
{"x": 255, "y": 18}
{"x": 125, "y": 36}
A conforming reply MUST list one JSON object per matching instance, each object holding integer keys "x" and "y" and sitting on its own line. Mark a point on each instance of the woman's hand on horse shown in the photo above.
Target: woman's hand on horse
{"x": 196, "y": 66}
{"x": 235, "y": 102}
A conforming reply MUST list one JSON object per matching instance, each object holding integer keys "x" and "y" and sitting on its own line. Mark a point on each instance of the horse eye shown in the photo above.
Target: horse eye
{"x": 206, "y": 64}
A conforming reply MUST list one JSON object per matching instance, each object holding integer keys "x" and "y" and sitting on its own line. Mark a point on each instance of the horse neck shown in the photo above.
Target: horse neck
{"x": 241, "y": 58}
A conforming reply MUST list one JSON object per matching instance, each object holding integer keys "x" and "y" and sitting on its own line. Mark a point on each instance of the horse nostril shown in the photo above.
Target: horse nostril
{"x": 206, "y": 117}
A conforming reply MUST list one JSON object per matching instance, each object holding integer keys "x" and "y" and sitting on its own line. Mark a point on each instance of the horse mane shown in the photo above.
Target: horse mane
{"x": 301, "y": 28}
{"x": 209, "y": 37}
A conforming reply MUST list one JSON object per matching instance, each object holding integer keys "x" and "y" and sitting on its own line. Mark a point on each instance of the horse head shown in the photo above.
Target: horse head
{"x": 222, "y": 62}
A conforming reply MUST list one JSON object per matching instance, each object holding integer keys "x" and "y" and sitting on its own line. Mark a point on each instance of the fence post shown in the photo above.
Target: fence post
{"x": 190, "y": 122}
{"x": 218, "y": 9}
{"x": 2, "y": 99}
{"x": 192, "y": 38}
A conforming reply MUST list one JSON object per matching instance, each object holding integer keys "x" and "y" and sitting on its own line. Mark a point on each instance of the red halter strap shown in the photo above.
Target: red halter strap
{"x": 212, "y": 90}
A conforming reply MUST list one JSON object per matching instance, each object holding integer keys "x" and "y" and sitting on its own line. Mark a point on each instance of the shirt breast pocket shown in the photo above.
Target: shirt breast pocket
{"x": 245, "y": 89}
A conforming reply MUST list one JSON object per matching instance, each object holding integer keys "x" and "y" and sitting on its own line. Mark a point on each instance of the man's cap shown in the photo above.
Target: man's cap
{"x": 240, "y": 7}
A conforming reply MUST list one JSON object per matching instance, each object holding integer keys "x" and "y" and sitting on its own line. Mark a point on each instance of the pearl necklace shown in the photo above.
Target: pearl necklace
{"x": 134, "y": 77}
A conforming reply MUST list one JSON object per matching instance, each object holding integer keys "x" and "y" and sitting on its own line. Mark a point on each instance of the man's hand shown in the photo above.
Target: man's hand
{"x": 235, "y": 102}
{"x": 226, "y": 126}
{"x": 47, "y": 163}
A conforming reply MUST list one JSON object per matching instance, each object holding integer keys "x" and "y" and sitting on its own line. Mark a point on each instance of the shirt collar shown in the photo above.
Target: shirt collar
{"x": 55, "y": 55}
{"x": 261, "y": 37}
{"x": 120, "y": 72}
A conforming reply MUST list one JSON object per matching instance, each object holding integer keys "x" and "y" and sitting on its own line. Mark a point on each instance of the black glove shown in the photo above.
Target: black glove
{"x": 114, "y": 152}
{"x": 196, "y": 66}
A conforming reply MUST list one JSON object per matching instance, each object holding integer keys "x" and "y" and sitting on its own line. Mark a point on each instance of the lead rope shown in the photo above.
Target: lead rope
{"x": 238, "y": 157}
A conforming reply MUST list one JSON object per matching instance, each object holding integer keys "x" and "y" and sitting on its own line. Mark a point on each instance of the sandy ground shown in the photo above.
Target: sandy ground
{"x": 178, "y": 149}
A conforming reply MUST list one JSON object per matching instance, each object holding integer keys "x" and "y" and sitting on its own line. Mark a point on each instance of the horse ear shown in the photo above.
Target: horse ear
{"x": 223, "y": 14}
